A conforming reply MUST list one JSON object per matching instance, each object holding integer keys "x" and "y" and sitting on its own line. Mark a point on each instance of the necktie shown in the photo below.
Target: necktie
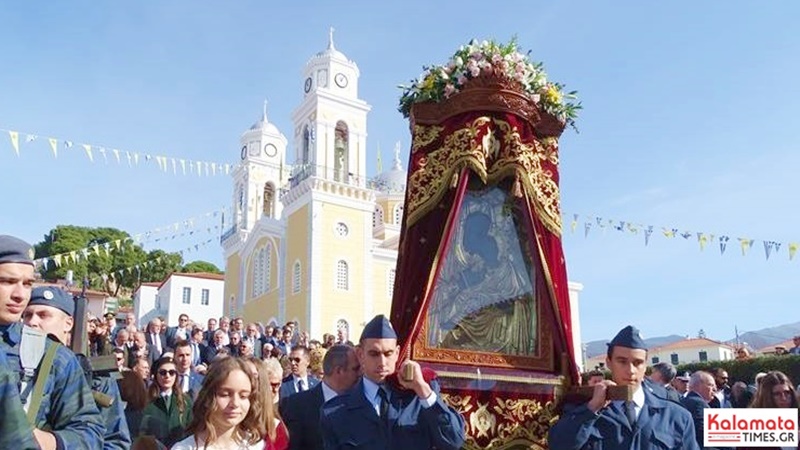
{"x": 630, "y": 413}
{"x": 383, "y": 407}
{"x": 300, "y": 385}
{"x": 181, "y": 377}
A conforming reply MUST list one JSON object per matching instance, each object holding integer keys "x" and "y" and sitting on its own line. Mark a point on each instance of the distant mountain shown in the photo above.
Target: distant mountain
{"x": 595, "y": 348}
{"x": 768, "y": 336}
{"x": 755, "y": 339}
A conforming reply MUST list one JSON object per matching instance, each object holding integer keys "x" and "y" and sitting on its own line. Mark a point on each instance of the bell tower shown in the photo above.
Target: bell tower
{"x": 260, "y": 174}
{"x": 328, "y": 196}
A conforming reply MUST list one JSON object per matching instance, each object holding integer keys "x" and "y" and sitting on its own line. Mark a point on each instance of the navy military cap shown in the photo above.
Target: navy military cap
{"x": 54, "y": 297}
{"x": 378, "y": 328}
{"x": 629, "y": 337}
{"x": 15, "y": 250}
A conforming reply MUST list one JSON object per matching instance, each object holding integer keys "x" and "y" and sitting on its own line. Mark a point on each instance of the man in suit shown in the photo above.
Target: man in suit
{"x": 214, "y": 347}
{"x": 646, "y": 422}
{"x": 253, "y": 336}
{"x": 198, "y": 349}
{"x": 722, "y": 396}
{"x": 299, "y": 380}
{"x": 301, "y": 412}
{"x": 208, "y": 335}
{"x": 381, "y": 413}
{"x": 142, "y": 349}
{"x": 701, "y": 390}
{"x": 189, "y": 380}
{"x": 180, "y": 333}
{"x": 156, "y": 338}
{"x": 285, "y": 343}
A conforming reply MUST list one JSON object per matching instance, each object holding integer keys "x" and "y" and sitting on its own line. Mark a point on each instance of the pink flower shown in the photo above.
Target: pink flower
{"x": 461, "y": 79}
{"x": 449, "y": 90}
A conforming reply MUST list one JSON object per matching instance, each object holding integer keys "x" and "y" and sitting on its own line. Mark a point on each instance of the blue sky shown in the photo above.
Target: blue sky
{"x": 689, "y": 122}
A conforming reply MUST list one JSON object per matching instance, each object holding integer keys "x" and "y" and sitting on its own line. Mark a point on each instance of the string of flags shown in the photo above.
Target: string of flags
{"x": 188, "y": 227}
{"x": 703, "y": 239}
{"x": 147, "y": 264}
{"x": 165, "y": 164}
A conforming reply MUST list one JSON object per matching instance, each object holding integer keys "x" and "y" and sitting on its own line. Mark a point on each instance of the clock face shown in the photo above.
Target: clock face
{"x": 244, "y": 152}
{"x": 308, "y": 85}
{"x": 270, "y": 150}
{"x": 322, "y": 78}
{"x": 340, "y": 80}
{"x": 254, "y": 150}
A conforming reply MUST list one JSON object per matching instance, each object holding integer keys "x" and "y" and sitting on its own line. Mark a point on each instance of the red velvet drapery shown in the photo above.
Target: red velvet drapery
{"x": 495, "y": 146}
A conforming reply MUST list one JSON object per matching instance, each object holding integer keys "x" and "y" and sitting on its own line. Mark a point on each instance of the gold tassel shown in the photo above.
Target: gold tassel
{"x": 454, "y": 181}
{"x": 517, "y": 189}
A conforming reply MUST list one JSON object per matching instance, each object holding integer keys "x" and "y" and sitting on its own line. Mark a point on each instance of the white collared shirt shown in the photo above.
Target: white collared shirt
{"x": 295, "y": 379}
{"x": 371, "y": 393}
{"x": 327, "y": 392}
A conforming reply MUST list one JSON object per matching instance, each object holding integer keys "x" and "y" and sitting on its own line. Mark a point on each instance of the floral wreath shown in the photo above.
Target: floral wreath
{"x": 438, "y": 83}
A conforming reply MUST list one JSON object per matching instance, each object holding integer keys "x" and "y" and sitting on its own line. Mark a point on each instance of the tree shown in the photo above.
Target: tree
{"x": 108, "y": 257}
{"x": 200, "y": 266}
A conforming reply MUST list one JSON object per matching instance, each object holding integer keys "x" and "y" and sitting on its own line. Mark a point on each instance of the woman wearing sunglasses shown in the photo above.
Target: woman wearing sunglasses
{"x": 227, "y": 411}
{"x": 169, "y": 412}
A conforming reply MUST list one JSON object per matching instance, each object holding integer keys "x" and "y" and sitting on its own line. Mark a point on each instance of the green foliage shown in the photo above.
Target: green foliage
{"x": 200, "y": 266}
{"x": 119, "y": 267}
{"x": 746, "y": 370}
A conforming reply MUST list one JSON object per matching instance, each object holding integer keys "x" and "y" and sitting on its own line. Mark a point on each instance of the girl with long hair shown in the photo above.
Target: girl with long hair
{"x": 169, "y": 410}
{"x": 775, "y": 390}
{"x": 274, "y": 432}
{"x": 227, "y": 410}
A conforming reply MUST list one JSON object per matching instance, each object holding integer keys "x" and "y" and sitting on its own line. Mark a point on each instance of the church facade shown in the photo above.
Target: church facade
{"x": 314, "y": 239}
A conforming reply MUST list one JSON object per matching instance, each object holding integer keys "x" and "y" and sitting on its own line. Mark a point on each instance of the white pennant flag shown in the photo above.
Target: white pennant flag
{"x": 103, "y": 152}
{"x": 88, "y": 149}
{"x": 128, "y": 154}
{"x": 183, "y": 166}
{"x": 136, "y": 159}
{"x": 227, "y": 169}
{"x": 14, "y": 135}
{"x": 116, "y": 154}
{"x": 68, "y": 144}
{"x": 213, "y": 169}
{"x": 54, "y": 146}
{"x": 174, "y": 167}
{"x": 199, "y": 168}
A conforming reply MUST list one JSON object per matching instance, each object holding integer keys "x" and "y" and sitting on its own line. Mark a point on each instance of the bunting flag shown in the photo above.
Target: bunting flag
{"x": 201, "y": 168}
{"x": 54, "y": 146}
{"x": 771, "y": 247}
{"x": 14, "y": 141}
{"x": 88, "y": 149}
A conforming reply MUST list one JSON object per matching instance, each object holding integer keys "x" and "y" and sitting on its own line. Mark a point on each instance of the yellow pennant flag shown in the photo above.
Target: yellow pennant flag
{"x": 792, "y": 249}
{"x": 88, "y": 149}
{"x": 702, "y": 239}
{"x": 745, "y": 244}
{"x": 54, "y": 146}
{"x": 57, "y": 259}
{"x": 14, "y": 135}
{"x": 96, "y": 248}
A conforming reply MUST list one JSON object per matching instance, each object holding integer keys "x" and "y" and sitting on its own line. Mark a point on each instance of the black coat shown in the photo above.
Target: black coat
{"x": 300, "y": 413}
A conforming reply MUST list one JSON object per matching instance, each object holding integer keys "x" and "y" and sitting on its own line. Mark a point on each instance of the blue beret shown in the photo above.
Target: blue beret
{"x": 54, "y": 297}
{"x": 629, "y": 337}
{"x": 378, "y": 328}
{"x": 15, "y": 250}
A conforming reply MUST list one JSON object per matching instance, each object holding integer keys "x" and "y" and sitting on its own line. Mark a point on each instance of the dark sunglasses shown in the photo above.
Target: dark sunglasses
{"x": 295, "y": 360}
{"x": 165, "y": 372}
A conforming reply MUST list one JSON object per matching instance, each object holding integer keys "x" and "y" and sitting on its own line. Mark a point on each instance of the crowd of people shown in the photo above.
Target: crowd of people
{"x": 225, "y": 386}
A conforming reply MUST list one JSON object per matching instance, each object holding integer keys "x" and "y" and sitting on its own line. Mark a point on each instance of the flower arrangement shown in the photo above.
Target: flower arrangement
{"x": 438, "y": 83}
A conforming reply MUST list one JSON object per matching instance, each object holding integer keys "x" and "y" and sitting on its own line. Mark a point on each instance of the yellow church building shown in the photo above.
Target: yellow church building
{"x": 314, "y": 239}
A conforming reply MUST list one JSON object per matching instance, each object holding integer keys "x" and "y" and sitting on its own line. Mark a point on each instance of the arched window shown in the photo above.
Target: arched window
{"x": 342, "y": 275}
{"x": 341, "y": 146}
{"x": 267, "y": 273}
{"x": 377, "y": 216}
{"x": 305, "y": 152}
{"x": 390, "y": 282}
{"x": 296, "y": 278}
{"x": 258, "y": 272}
{"x": 344, "y": 327}
{"x": 239, "y": 203}
{"x": 398, "y": 214}
{"x": 269, "y": 200}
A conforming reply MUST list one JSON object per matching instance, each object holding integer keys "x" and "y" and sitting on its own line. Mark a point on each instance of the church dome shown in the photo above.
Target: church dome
{"x": 331, "y": 53}
{"x": 264, "y": 125}
{"x": 394, "y": 179}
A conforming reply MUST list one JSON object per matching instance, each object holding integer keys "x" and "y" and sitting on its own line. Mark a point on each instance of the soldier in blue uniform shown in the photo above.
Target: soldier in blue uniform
{"x": 378, "y": 414}
{"x": 67, "y": 416}
{"x": 52, "y": 311}
{"x": 646, "y": 422}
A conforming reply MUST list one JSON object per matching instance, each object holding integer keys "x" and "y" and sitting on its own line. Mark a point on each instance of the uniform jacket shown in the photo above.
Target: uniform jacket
{"x": 117, "y": 435}
{"x": 350, "y": 421}
{"x": 289, "y": 388}
{"x": 661, "y": 424}
{"x": 68, "y": 409}
{"x": 300, "y": 414}
{"x": 168, "y": 425}
{"x": 195, "y": 383}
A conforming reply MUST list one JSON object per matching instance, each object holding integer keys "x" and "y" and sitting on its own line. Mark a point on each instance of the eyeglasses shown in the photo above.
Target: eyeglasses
{"x": 784, "y": 393}
{"x": 295, "y": 360}
{"x": 164, "y": 372}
